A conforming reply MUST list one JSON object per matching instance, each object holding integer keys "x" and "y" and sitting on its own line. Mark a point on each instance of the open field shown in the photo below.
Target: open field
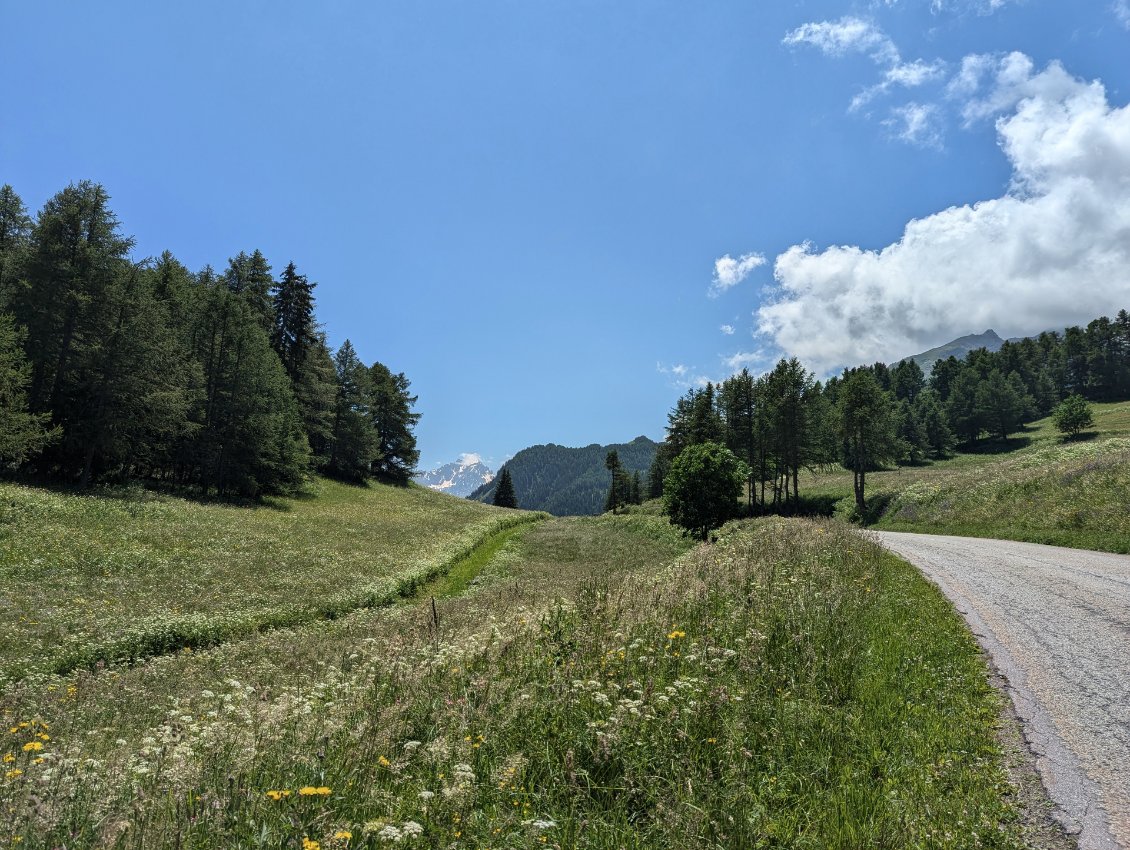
{"x": 1036, "y": 488}
{"x": 590, "y": 682}
{"x": 121, "y": 576}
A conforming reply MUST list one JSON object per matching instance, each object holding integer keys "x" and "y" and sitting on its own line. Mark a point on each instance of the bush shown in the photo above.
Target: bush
{"x": 1073, "y": 415}
{"x": 702, "y": 487}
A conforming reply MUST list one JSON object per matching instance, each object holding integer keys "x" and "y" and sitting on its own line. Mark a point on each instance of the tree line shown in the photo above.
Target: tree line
{"x": 114, "y": 369}
{"x": 785, "y": 421}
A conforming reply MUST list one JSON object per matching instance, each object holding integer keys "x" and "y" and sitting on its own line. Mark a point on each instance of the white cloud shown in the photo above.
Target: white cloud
{"x": 470, "y": 458}
{"x": 916, "y": 123}
{"x": 847, "y": 35}
{"x": 728, "y": 330}
{"x": 678, "y": 369}
{"x": 1121, "y": 9}
{"x": 1052, "y": 251}
{"x": 729, "y": 272}
{"x": 1010, "y": 81}
{"x": 905, "y": 74}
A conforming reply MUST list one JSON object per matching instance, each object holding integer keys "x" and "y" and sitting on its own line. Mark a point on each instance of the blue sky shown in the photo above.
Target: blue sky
{"x": 554, "y": 217}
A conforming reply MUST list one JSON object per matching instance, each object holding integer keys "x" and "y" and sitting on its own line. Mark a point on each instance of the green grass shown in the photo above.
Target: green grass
{"x": 122, "y": 576}
{"x": 598, "y": 684}
{"x": 1037, "y": 487}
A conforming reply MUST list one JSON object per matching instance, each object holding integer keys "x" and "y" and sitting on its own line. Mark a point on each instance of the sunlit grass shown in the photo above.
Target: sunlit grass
{"x": 126, "y": 575}
{"x": 1037, "y": 487}
{"x": 597, "y": 685}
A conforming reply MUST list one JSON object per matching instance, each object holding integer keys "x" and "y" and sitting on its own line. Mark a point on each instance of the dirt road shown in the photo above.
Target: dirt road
{"x": 1056, "y": 623}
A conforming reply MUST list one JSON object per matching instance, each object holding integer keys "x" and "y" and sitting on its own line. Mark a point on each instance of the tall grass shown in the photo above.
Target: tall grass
{"x": 790, "y": 686}
{"x": 109, "y": 578}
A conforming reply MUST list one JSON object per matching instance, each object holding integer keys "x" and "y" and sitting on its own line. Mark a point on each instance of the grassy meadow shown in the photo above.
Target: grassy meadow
{"x": 1036, "y": 487}
{"x": 119, "y": 576}
{"x": 578, "y": 682}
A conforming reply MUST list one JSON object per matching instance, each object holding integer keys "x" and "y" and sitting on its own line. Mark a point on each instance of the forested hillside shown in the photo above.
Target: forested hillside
{"x": 785, "y": 421}
{"x": 568, "y": 482}
{"x": 115, "y": 368}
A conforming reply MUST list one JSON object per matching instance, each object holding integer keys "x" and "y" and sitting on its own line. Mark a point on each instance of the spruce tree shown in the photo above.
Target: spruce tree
{"x": 393, "y": 419}
{"x": 504, "y": 496}
{"x": 354, "y": 446}
{"x": 615, "y": 488}
{"x": 15, "y": 238}
{"x": 635, "y": 496}
{"x": 22, "y": 434}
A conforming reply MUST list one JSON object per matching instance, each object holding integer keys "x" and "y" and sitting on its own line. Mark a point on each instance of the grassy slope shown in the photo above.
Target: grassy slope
{"x": 1037, "y": 488}
{"x": 598, "y": 686}
{"x": 135, "y": 574}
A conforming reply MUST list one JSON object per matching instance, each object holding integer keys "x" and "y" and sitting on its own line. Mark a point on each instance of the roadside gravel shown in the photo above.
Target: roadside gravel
{"x": 1056, "y": 623}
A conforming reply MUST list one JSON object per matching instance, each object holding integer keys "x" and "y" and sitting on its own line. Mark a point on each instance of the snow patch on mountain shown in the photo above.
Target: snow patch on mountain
{"x": 458, "y": 478}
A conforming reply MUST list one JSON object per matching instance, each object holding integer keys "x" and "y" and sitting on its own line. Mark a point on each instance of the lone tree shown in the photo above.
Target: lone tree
{"x": 619, "y": 491}
{"x": 867, "y": 429}
{"x": 702, "y": 487}
{"x": 504, "y": 493}
{"x": 1072, "y": 415}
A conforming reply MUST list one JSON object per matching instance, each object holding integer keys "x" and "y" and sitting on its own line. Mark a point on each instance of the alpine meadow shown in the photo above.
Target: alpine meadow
{"x": 769, "y": 539}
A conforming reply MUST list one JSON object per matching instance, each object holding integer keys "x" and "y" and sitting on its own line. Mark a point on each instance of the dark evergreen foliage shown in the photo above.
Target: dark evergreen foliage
{"x": 504, "y": 496}
{"x": 114, "y": 369}
{"x": 569, "y": 481}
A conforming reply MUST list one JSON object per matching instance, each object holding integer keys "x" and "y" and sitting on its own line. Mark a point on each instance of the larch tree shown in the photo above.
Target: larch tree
{"x": 866, "y": 425}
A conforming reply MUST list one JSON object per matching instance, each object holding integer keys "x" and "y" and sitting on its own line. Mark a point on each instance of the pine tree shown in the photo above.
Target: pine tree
{"x": 393, "y": 419}
{"x": 635, "y": 494}
{"x": 615, "y": 496}
{"x": 15, "y": 239}
{"x": 22, "y": 434}
{"x": 865, "y": 416}
{"x": 354, "y": 446}
{"x": 250, "y": 278}
{"x": 504, "y": 496}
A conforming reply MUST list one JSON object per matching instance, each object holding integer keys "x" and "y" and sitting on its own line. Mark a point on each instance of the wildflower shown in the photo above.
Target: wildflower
{"x": 343, "y": 835}
{"x": 311, "y": 791}
{"x": 426, "y": 795}
{"x": 675, "y": 634}
{"x": 9, "y": 758}
{"x": 33, "y": 745}
{"x": 43, "y": 736}
{"x": 13, "y": 773}
{"x": 310, "y": 844}
{"x": 410, "y": 829}
{"x": 390, "y": 833}
{"x": 384, "y": 762}
{"x": 277, "y": 795}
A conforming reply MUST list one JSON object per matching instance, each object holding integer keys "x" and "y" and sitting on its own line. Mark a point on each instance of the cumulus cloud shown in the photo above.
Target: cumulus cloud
{"x": 728, "y": 330}
{"x": 991, "y": 85}
{"x": 729, "y": 272}
{"x": 470, "y": 458}
{"x": 1054, "y": 250}
{"x": 752, "y": 360}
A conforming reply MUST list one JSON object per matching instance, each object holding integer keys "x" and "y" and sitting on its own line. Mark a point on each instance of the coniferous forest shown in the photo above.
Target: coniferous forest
{"x": 786, "y": 421}
{"x": 114, "y": 368}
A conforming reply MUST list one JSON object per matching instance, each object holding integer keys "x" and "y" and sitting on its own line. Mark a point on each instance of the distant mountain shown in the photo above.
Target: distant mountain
{"x": 569, "y": 482}
{"x": 957, "y": 348}
{"x": 459, "y": 478}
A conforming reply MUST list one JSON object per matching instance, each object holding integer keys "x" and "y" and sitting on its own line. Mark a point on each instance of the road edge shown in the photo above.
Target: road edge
{"x": 1072, "y": 793}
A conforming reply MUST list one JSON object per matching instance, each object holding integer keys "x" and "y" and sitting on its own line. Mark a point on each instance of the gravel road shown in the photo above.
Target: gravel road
{"x": 1056, "y": 623}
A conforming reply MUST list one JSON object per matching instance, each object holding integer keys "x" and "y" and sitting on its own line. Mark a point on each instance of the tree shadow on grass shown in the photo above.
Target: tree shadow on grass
{"x": 998, "y": 446}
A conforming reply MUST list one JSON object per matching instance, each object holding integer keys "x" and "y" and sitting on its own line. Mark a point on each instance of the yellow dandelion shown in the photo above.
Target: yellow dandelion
{"x": 13, "y": 773}
{"x": 384, "y": 762}
{"x": 310, "y": 844}
{"x": 33, "y": 745}
{"x": 9, "y": 758}
{"x": 343, "y": 835}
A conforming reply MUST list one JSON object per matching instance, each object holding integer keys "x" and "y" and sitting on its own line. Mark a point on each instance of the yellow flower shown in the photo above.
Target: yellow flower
{"x": 675, "y": 634}
{"x": 383, "y": 762}
{"x": 9, "y": 758}
{"x": 277, "y": 795}
{"x": 13, "y": 773}
{"x": 311, "y": 791}
{"x": 343, "y": 835}
{"x": 43, "y": 736}
{"x": 38, "y": 760}
{"x": 310, "y": 844}
{"x": 33, "y": 745}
